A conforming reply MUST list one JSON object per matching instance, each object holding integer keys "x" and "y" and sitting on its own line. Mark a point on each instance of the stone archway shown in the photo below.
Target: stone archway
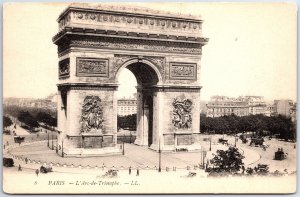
{"x": 147, "y": 75}
{"x": 162, "y": 50}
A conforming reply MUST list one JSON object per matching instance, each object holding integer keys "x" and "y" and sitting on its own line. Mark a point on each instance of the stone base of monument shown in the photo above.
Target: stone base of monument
{"x": 139, "y": 143}
{"x": 83, "y": 152}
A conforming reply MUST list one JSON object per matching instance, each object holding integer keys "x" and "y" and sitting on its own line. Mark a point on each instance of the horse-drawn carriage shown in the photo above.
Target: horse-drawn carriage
{"x": 19, "y": 139}
{"x": 111, "y": 173}
{"x": 261, "y": 169}
{"x": 243, "y": 138}
{"x": 6, "y": 131}
{"x": 223, "y": 141}
{"x": 280, "y": 154}
{"x": 45, "y": 169}
{"x": 257, "y": 141}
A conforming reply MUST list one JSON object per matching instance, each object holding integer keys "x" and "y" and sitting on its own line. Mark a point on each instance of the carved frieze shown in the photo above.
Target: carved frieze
{"x": 120, "y": 59}
{"x": 92, "y": 67}
{"x": 158, "y": 23}
{"x": 182, "y": 113}
{"x": 64, "y": 68}
{"x": 127, "y": 44}
{"x": 183, "y": 71}
{"x": 92, "y": 115}
{"x": 158, "y": 62}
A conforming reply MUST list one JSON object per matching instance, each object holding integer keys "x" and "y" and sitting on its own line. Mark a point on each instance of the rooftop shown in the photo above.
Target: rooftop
{"x": 114, "y": 7}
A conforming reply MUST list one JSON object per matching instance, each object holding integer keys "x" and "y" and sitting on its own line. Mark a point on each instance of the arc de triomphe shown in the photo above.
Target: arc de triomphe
{"x": 162, "y": 50}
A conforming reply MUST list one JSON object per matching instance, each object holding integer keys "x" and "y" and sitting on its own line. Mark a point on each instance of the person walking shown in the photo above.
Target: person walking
{"x": 137, "y": 172}
{"x": 37, "y": 172}
{"x": 129, "y": 170}
{"x": 20, "y": 168}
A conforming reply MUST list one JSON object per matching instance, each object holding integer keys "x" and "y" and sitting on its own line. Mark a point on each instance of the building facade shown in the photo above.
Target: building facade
{"x": 127, "y": 106}
{"x": 285, "y": 107}
{"x": 241, "y": 106}
{"x": 257, "y": 104}
{"x": 225, "y": 106}
{"x": 49, "y": 102}
{"x": 270, "y": 111}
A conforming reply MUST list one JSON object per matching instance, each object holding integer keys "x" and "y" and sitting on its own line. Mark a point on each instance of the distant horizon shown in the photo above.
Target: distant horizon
{"x": 201, "y": 100}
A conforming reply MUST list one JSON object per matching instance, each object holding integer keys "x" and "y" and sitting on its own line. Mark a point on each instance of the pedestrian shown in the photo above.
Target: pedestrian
{"x": 26, "y": 160}
{"x": 19, "y": 169}
{"x": 37, "y": 172}
{"x": 137, "y": 172}
{"x": 243, "y": 168}
{"x": 130, "y": 170}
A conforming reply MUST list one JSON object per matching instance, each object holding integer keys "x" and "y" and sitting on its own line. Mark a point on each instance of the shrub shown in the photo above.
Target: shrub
{"x": 7, "y": 121}
{"x": 8, "y": 162}
{"x": 228, "y": 161}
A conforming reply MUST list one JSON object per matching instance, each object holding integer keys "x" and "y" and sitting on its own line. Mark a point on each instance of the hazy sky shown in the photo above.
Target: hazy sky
{"x": 251, "y": 51}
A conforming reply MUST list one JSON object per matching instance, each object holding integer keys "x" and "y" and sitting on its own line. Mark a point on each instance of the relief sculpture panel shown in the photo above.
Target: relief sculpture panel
{"x": 92, "y": 115}
{"x": 183, "y": 71}
{"x": 64, "y": 68}
{"x": 182, "y": 113}
{"x": 92, "y": 67}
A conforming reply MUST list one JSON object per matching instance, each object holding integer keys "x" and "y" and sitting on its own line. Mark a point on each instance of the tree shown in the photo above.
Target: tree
{"x": 28, "y": 119}
{"x": 46, "y": 118}
{"x": 260, "y": 124}
{"x": 128, "y": 122}
{"x": 227, "y": 161}
{"x": 7, "y": 121}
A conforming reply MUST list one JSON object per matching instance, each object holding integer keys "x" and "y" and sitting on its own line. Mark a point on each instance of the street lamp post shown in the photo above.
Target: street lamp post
{"x": 159, "y": 156}
{"x": 52, "y": 141}
{"x": 62, "y": 148}
{"x": 48, "y": 141}
{"x": 123, "y": 153}
{"x": 235, "y": 139}
{"x": 210, "y": 144}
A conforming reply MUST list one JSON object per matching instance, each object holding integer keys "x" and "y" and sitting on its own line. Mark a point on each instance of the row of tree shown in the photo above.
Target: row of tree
{"x": 7, "y": 121}
{"x": 127, "y": 122}
{"x": 14, "y": 111}
{"x": 29, "y": 117}
{"x": 226, "y": 124}
{"x": 258, "y": 123}
{"x": 33, "y": 121}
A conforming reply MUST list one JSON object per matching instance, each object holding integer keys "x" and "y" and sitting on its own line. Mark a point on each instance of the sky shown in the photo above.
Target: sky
{"x": 251, "y": 49}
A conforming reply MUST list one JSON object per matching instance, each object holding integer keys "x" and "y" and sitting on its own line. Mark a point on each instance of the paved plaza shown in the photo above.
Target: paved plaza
{"x": 144, "y": 158}
{"x": 144, "y": 163}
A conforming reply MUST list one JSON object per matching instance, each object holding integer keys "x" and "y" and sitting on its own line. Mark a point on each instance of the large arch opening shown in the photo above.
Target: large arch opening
{"x": 146, "y": 76}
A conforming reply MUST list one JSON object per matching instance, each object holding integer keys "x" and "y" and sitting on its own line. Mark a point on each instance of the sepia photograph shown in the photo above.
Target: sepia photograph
{"x": 149, "y": 98}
